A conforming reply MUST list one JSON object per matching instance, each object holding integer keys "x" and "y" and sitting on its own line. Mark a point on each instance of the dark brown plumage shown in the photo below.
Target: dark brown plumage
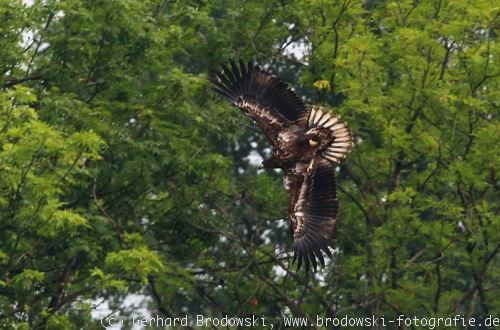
{"x": 307, "y": 143}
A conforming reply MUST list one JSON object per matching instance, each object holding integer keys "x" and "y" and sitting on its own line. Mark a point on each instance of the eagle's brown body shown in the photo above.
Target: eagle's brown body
{"x": 307, "y": 144}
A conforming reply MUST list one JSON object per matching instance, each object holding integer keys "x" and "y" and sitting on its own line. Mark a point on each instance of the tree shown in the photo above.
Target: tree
{"x": 123, "y": 173}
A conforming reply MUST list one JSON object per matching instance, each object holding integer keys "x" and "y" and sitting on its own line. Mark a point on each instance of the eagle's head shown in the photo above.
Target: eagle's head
{"x": 315, "y": 139}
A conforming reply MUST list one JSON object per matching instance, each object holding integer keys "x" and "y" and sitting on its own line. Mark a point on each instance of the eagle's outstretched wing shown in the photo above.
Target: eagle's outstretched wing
{"x": 313, "y": 213}
{"x": 265, "y": 98}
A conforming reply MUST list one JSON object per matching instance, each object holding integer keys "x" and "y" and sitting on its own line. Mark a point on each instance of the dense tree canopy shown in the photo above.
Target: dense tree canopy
{"x": 123, "y": 173}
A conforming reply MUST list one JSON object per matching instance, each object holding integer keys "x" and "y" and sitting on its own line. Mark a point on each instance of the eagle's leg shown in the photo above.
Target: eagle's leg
{"x": 310, "y": 167}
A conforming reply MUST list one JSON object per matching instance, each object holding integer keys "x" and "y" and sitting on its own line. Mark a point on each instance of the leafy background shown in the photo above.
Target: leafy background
{"x": 122, "y": 173}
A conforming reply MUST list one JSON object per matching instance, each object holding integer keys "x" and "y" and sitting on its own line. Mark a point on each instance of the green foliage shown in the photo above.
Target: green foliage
{"x": 122, "y": 173}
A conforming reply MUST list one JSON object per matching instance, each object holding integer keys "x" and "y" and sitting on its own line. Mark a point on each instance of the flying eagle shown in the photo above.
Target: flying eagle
{"x": 308, "y": 142}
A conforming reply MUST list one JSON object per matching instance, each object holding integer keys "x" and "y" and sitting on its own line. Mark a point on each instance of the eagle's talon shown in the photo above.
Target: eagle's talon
{"x": 310, "y": 167}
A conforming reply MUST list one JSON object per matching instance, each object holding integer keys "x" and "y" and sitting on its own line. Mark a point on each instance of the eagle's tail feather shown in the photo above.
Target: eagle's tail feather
{"x": 342, "y": 143}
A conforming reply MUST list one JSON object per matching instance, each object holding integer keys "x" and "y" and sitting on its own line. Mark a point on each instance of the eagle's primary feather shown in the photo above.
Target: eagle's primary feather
{"x": 313, "y": 214}
{"x": 308, "y": 143}
{"x": 265, "y": 98}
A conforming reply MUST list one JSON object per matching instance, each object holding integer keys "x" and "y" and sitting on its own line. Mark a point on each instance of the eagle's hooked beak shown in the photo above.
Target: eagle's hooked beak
{"x": 312, "y": 142}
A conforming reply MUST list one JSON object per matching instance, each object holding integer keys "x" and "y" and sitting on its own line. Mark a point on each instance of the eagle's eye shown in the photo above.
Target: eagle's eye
{"x": 312, "y": 142}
